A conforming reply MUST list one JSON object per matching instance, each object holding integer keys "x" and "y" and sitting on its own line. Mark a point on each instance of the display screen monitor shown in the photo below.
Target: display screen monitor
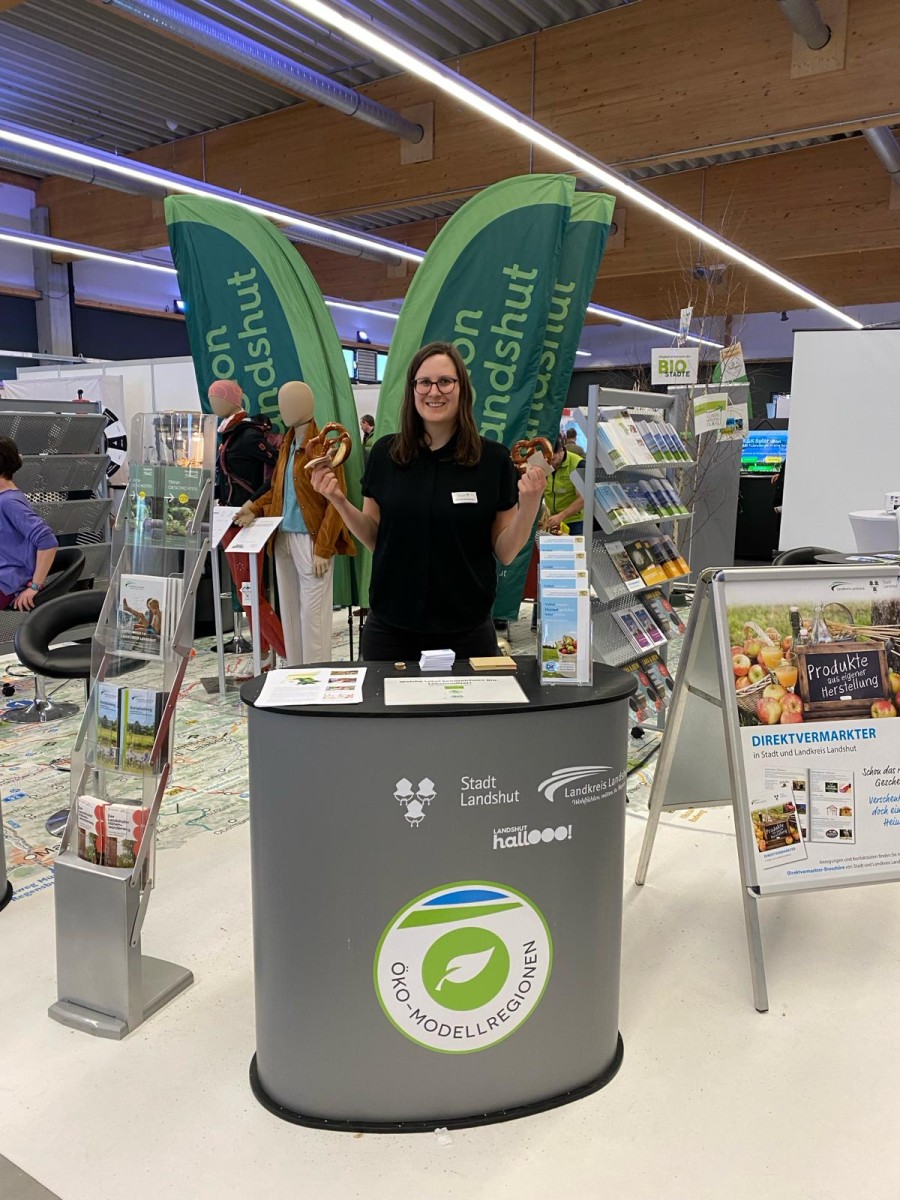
{"x": 350, "y": 362}
{"x": 763, "y": 451}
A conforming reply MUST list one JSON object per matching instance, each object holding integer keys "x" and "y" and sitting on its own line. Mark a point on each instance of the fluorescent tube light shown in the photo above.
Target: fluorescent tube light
{"x": 77, "y": 250}
{"x": 612, "y": 314}
{"x": 368, "y": 36}
{"x": 168, "y": 181}
{"x": 361, "y": 308}
{"x": 583, "y": 353}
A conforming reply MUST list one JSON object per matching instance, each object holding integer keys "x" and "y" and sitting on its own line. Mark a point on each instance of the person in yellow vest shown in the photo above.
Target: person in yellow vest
{"x": 560, "y": 497}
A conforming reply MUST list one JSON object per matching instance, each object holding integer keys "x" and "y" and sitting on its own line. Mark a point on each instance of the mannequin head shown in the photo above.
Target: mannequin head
{"x": 295, "y": 403}
{"x": 225, "y": 397}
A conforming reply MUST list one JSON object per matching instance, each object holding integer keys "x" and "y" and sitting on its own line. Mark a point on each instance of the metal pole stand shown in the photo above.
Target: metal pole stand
{"x": 6, "y": 888}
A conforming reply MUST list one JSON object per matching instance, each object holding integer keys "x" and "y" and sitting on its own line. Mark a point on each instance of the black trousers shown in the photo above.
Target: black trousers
{"x": 386, "y": 643}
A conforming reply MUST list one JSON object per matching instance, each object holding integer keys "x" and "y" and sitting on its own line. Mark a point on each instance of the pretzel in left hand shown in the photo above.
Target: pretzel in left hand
{"x": 332, "y": 446}
{"x": 525, "y": 448}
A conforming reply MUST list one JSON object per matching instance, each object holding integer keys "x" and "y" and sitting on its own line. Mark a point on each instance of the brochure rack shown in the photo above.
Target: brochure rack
{"x": 122, "y": 758}
{"x": 611, "y": 594}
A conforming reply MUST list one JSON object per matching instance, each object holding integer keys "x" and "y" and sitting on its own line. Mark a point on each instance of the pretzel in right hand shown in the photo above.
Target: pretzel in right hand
{"x": 525, "y": 448}
{"x": 330, "y": 447}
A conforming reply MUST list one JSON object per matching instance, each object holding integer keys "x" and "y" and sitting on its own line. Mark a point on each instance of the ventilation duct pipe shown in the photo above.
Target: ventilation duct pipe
{"x": 885, "y": 145}
{"x": 251, "y": 56}
{"x": 805, "y": 19}
{"x": 37, "y": 162}
{"x": 59, "y": 156}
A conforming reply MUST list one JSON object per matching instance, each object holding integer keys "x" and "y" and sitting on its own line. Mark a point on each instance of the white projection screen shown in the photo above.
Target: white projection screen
{"x": 844, "y": 434}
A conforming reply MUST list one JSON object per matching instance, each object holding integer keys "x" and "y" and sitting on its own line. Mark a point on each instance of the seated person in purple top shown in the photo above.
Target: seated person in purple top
{"x": 27, "y": 543}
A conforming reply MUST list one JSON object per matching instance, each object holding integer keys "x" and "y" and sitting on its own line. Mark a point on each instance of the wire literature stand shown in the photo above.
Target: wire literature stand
{"x": 611, "y": 594}
{"x": 122, "y": 758}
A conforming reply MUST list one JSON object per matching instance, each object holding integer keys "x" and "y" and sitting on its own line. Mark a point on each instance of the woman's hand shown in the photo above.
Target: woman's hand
{"x": 532, "y": 483}
{"x": 24, "y": 602}
{"x": 244, "y": 516}
{"x": 554, "y": 523}
{"x": 324, "y": 480}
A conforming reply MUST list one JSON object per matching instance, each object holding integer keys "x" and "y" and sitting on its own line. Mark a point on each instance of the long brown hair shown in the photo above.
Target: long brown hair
{"x": 410, "y": 441}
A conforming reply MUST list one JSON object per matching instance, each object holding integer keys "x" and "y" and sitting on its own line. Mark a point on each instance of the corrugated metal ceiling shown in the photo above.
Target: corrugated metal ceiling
{"x": 75, "y": 69}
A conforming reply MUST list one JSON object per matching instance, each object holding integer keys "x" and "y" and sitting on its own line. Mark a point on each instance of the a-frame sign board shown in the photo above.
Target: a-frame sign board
{"x": 811, "y": 772}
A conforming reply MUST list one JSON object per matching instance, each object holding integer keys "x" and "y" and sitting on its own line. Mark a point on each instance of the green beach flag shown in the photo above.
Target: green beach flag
{"x": 582, "y": 252}
{"x": 486, "y": 285}
{"x": 255, "y": 314}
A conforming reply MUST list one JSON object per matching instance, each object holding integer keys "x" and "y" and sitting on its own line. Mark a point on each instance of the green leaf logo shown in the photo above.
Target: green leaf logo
{"x": 466, "y": 967}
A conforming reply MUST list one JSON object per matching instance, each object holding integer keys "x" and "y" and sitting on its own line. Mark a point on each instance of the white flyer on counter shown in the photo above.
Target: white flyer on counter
{"x": 454, "y": 689}
{"x": 222, "y": 516}
{"x": 252, "y": 539}
{"x": 312, "y": 685}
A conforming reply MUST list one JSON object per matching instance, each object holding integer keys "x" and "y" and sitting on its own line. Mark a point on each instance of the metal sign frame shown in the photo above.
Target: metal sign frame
{"x": 685, "y": 778}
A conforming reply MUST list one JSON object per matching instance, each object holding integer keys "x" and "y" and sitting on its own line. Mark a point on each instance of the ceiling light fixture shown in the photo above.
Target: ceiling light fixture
{"x": 361, "y": 308}
{"x": 128, "y": 168}
{"x": 407, "y": 58}
{"x": 583, "y": 353}
{"x": 77, "y": 250}
{"x": 612, "y": 314}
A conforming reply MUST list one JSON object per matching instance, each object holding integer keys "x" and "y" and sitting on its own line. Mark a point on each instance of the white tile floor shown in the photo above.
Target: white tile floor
{"x": 713, "y": 1100}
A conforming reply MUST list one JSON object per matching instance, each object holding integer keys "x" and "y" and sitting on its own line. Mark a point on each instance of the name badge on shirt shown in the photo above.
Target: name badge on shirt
{"x": 464, "y": 497}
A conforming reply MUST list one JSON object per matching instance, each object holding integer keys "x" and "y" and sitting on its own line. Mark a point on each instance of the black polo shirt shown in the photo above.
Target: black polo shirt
{"x": 434, "y": 569}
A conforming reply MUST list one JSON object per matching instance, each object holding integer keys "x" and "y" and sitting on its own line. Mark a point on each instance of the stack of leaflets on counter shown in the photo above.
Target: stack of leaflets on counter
{"x": 646, "y": 701}
{"x": 128, "y": 721}
{"x": 147, "y": 613}
{"x": 662, "y": 612}
{"x": 639, "y": 627}
{"x": 625, "y": 568}
{"x": 109, "y": 835}
{"x": 564, "y": 647}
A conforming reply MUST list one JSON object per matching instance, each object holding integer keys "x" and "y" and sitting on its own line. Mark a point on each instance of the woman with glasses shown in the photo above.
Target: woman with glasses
{"x": 441, "y": 505}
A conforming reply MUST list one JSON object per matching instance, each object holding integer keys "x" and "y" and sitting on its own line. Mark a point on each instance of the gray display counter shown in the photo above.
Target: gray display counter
{"x": 437, "y": 904}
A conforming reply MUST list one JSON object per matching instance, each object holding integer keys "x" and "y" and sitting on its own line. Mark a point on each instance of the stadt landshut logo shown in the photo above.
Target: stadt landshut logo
{"x": 415, "y": 800}
{"x": 461, "y": 967}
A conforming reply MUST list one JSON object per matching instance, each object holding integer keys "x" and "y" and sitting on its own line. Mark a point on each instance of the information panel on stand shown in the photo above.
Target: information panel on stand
{"x": 818, "y": 739}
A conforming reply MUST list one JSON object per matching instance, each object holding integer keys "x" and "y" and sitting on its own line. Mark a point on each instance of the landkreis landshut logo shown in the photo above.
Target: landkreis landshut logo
{"x": 416, "y": 800}
{"x": 566, "y": 784}
{"x": 461, "y": 967}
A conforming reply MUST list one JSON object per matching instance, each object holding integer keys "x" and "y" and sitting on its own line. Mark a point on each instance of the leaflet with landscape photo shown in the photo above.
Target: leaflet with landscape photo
{"x": 141, "y": 711}
{"x": 182, "y": 489}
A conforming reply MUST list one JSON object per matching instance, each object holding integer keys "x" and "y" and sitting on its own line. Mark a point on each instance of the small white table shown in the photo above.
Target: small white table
{"x": 874, "y": 530}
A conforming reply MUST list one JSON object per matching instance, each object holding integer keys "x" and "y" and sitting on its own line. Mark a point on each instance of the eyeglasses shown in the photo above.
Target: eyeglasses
{"x": 444, "y": 385}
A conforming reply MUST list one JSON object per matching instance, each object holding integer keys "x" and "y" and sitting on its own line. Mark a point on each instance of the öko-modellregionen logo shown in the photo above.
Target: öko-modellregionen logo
{"x": 463, "y": 966}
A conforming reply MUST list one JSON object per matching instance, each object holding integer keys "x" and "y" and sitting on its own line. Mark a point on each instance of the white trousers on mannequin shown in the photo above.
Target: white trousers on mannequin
{"x": 304, "y": 598}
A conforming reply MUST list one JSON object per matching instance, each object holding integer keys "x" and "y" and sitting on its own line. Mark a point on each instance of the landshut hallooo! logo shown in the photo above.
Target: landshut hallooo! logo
{"x": 462, "y": 967}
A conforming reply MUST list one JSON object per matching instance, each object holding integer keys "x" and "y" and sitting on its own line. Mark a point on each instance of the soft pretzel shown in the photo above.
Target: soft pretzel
{"x": 525, "y": 448}
{"x": 327, "y": 448}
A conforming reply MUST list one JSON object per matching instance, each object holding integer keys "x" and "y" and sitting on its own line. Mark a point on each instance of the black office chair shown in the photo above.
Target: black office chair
{"x": 45, "y": 624}
{"x": 68, "y": 563}
{"x": 800, "y": 556}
